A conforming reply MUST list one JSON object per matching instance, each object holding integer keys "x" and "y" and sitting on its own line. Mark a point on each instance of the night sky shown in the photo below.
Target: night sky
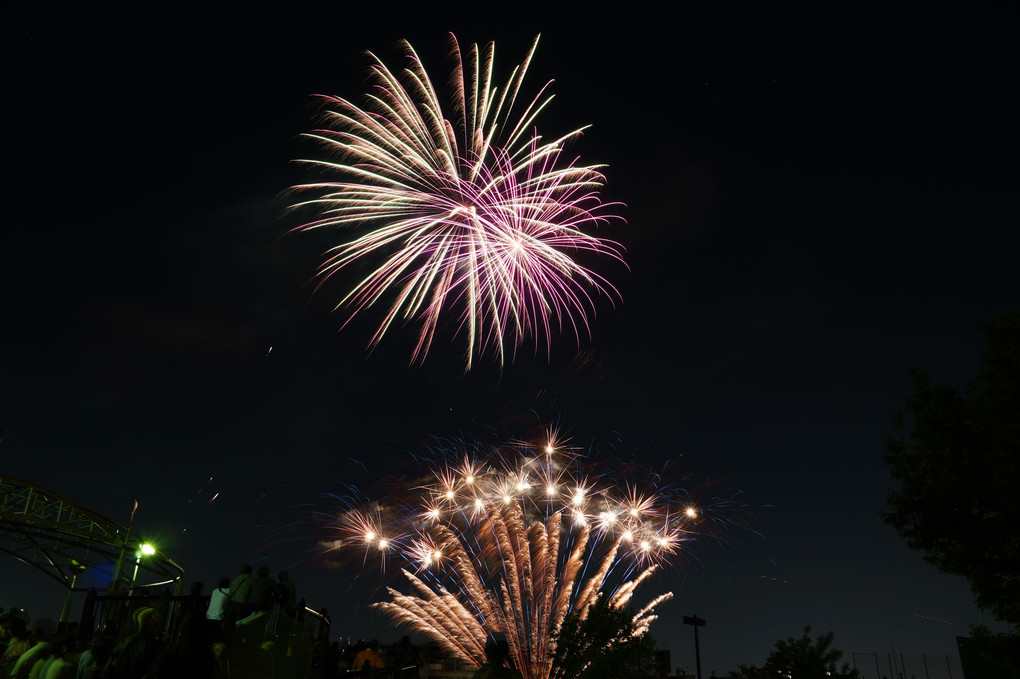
{"x": 814, "y": 202}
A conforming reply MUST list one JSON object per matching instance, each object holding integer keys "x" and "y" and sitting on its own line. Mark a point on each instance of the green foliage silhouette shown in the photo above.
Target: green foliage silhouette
{"x": 603, "y": 645}
{"x": 803, "y": 658}
{"x": 956, "y": 472}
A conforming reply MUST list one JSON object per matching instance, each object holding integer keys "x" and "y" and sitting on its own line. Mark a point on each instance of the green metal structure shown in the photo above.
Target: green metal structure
{"x": 62, "y": 539}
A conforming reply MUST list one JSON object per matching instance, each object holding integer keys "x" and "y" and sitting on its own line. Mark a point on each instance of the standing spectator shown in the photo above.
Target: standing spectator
{"x": 406, "y": 654}
{"x": 18, "y": 644}
{"x": 240, "y": 590}
{"x": 370, "y": 658}
{"x": 58, "y": 666}
{"x": 190, "y": 656}
{"x": 194, "y": 604}
{"x": 261, "y": 596}
{"x": 95, "y": 658}
{"x": 5, "y": 633}
{"x": 286, "y": 593}
{"x": 217, "y": 603}
{"x": 39, "y": 651}
{"x": 496, "y": 655}
{"x": 132, "y": 657}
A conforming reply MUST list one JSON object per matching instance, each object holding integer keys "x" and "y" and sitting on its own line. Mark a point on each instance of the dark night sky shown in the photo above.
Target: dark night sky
{"x": 815, "y": 202}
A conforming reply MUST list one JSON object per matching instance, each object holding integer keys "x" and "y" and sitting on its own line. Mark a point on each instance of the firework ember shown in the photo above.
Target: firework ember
{"x": 508, "y": 541}
{"x": 464, "y": 213}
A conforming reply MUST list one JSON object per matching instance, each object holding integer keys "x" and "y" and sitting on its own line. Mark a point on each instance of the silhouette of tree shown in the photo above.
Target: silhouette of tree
{"x": 956, "y": 497}
{"x": 803, "y": 658}
{"x": 603, "y": 645}
{"x": 747, "y": 672}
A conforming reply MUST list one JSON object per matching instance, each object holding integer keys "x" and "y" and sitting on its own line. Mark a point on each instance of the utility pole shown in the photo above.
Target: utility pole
{"x": 696, "y": 622}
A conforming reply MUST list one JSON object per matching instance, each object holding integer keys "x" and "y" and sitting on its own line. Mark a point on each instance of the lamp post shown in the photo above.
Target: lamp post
{"x": 145, "y": 549}
{"x": 696, "y": 622}
{"x": 75, "y": 567}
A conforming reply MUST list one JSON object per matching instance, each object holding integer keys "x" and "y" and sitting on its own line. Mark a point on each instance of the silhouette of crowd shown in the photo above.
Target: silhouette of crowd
{"x": 231, "y": 632}
{"x": 250, "y": 626}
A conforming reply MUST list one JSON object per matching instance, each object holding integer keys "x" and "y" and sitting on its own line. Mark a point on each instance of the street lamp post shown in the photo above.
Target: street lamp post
{"x": 75, "y": 567}
{"x": 696, "y": 622}
{"x": 145, "y": 549}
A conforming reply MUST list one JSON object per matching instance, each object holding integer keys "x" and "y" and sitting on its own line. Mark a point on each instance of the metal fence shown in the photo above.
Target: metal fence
{"x": 907, "y": 666}
{"x": 111, "y": 614}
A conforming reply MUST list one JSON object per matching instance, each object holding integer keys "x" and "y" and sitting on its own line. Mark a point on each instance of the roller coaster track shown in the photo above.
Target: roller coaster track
{"x": 61, "y": 538}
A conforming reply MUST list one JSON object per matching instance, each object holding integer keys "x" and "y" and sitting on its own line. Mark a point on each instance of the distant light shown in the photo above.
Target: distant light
{"x": 507, "y": 499}
{"x": 551, "y": 490}
{"x": 369, "y": 536}
{"x": 147, "y": 549}
{"x": 384, "y": 543}
{"x": 645, "y": 545}
{"x": 449, "y": 495}
{"x": 469, "y": 480}
{"x": 692, "y": 512}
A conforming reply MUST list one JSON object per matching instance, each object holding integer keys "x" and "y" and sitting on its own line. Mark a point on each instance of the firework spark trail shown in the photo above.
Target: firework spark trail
{"x": 477, "y": 214}
{"x": 508, "y": 541}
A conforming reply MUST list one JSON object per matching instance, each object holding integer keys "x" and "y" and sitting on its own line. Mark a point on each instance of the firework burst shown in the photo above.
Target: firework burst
{"x": 465, "y": 213}
{"x": 509, "y": 540}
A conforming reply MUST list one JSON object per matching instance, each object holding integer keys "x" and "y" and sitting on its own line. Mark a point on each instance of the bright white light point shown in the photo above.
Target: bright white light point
{"x": 628, "y": 536}
{"x": 645, "y": 545}
{"x": 522, "y": 486}
{"x": 434, "y": 513}
{"x": 449, "y": 495}
{"x": 691, "y": 512}
{"x": 608, "y": 517}
{"x": 148, "y": 550}
{"x": 551, "y": 490}
{"x": 479, "y": 504}
{"x": 579, "y": 498}
{"x": 663, "y": 542}
{"x": 369, "y": 536}
{"x": 383, "y": 544}
{"x": 469, "y": 480}
{"x": 549, "y": 449}
{"x": 437, "y": 555}
{"x": 507, "y": 499}
{"x": 633, "y": 512}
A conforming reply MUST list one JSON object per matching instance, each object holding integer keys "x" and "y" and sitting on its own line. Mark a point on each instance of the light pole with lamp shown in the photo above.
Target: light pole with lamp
{"x": 696, "y": 622}
{"x": 75, "y": 567}
{"x": 145, "y": 549}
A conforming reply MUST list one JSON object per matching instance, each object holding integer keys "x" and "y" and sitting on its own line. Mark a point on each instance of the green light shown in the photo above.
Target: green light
{"x": 147, "y": 549}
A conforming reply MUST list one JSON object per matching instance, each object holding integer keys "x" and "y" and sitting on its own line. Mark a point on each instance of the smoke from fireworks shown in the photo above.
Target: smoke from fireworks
{"x": 508, "y": 541}
{"x": 471, "y": 215}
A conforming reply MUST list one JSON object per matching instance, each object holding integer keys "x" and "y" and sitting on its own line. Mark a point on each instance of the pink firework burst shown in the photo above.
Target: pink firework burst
{"x": 475, "y": 218}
